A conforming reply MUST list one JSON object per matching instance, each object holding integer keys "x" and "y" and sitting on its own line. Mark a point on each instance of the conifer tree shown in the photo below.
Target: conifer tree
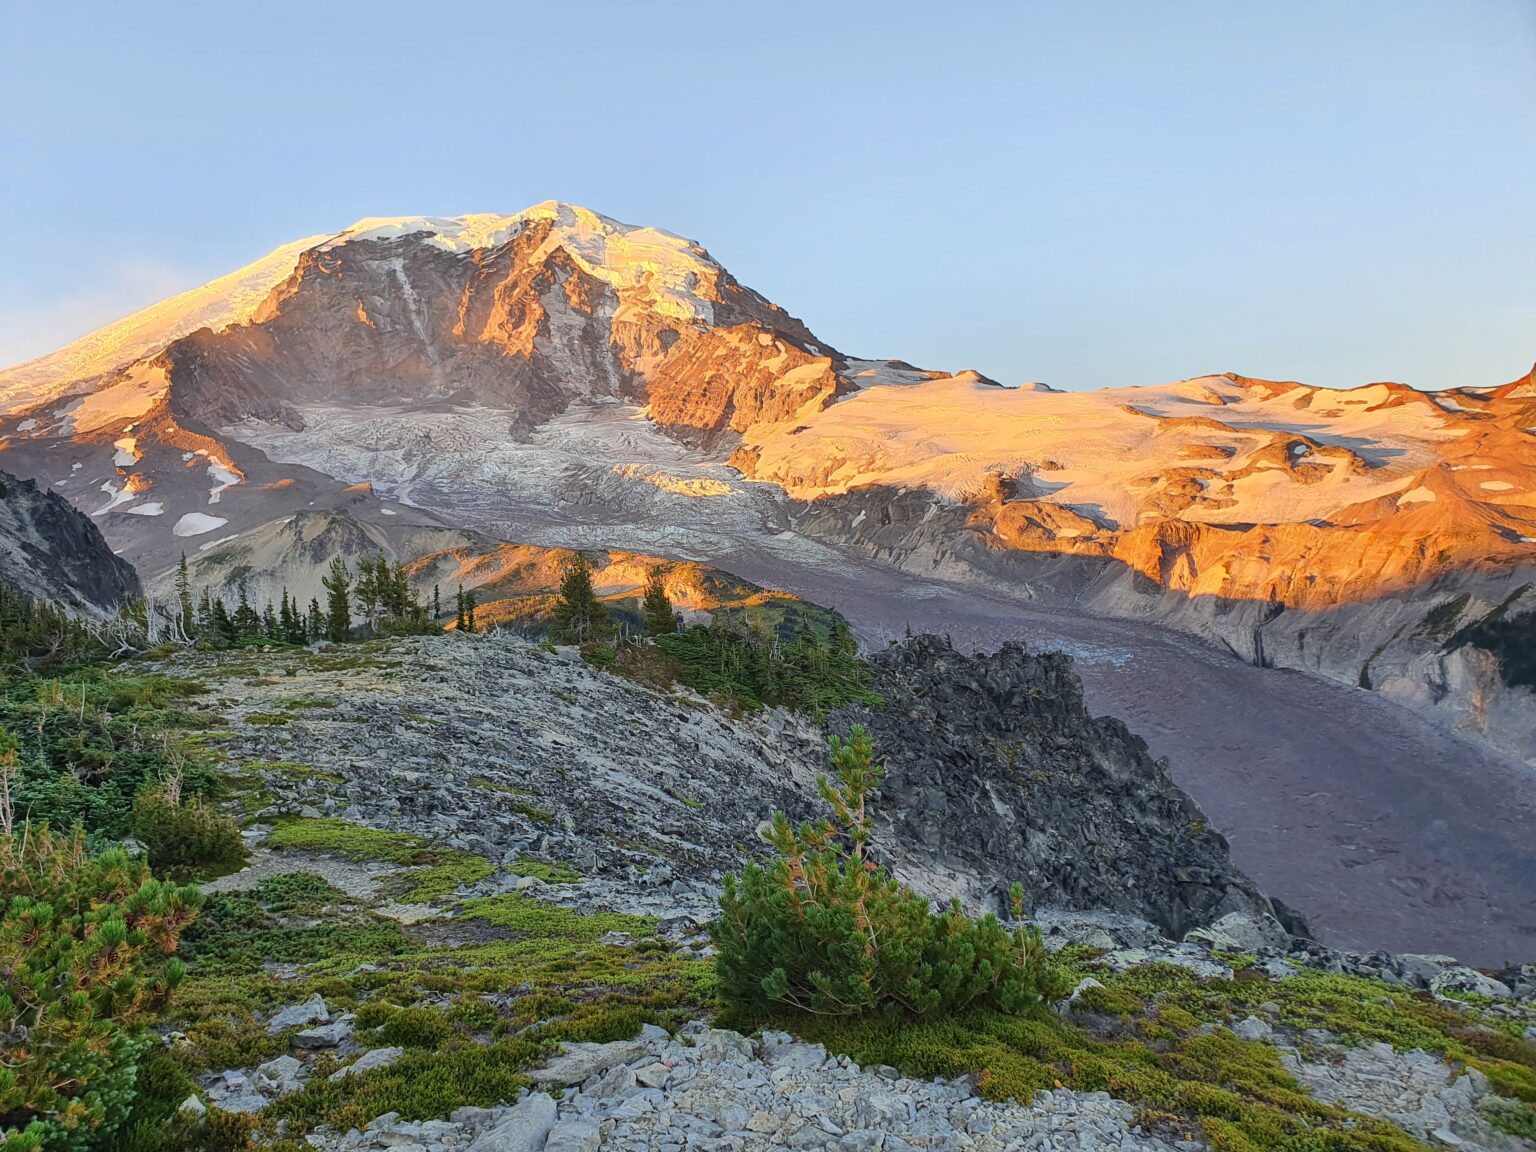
{"x": 338, "y": 587}
{"x": 184, "y": 597}
{"x": 657, "y": 609}
{"x": 460, "y": 621}
{"x": 205, "y": 610}
{"x": 437, "y": 603}
{"x": 366, "y": 589}
{"x": 222, "y": 624}
{"x": 314, "y": 623}
{"x": 580, "y": 615}
{"x": 247, "y": 621}
{"x": 469, "y": 611}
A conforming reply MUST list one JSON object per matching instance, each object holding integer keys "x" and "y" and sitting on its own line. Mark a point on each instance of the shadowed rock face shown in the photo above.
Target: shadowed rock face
{"x": 995, "y": 773}
{"x": 50, "y": 551}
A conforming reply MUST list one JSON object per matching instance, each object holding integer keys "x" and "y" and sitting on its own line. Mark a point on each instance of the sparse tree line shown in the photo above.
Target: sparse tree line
{"x": 375, "y": 600}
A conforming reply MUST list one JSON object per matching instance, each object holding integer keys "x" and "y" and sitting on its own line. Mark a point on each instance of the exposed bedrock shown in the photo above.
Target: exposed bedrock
{"x": 997, "y": 773}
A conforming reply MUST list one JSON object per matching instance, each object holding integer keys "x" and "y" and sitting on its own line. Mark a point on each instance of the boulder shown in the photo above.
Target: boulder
{"x": 577, "y": 1063}
{"x": 312, "y": 1011}
{"x": 1469, "y": 981}
{"x": 525, "y": 1128}
{"x": 1242, "y": 932}
{"x": 369, "y": 1060}
{"x": 329, "y": 1035}
{"x": 574, "y": 1136}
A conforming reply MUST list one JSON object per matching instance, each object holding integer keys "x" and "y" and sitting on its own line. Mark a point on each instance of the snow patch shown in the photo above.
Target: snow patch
{"x": 196, "y": 523}
{"x": 1419, "y": 495}
{"x": 127, "y": 451}
{"x": 153, "y": 508}
{"x": 115, "y": 497}
{"x": 1496, "y": 485}
{"x": 223, "y": 477}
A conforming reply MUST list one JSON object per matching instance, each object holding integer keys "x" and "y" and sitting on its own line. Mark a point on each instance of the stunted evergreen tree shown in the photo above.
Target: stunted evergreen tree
{"x": 338, "y": 589}
{"x": 184, "y": 598}
{"x": 314, "y": 621}
{"x": 461, "y": 618}
{"x": 823, "y": 930}
{"x": 580, "y": 615}
{"x": 87, "y": 960}
{"x": 660, "y": 619}
{"x": 437, "y": 603}
{"x": 470, "y": 603}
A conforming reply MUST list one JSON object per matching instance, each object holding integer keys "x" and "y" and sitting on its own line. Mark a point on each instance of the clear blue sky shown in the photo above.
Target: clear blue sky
{"x": 1086, "y": 193}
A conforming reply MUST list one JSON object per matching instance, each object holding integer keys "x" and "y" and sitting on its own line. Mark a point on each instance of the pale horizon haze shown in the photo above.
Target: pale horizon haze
{"x": 1090, "y": 195}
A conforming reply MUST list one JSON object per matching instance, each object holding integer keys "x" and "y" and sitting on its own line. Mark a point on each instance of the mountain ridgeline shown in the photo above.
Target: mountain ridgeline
{"x": 556, "y": 377}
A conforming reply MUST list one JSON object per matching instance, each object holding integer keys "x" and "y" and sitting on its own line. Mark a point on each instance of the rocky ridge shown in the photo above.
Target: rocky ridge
{"x": 50, "y": 551}
{"x": 1000, "y": 776}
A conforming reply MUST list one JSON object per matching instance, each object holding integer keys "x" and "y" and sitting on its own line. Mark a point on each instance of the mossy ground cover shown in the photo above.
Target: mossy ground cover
{"x": 475, "y": 999}
{"x": 480, "y": 995}
{"x": 1147, "y": 1038}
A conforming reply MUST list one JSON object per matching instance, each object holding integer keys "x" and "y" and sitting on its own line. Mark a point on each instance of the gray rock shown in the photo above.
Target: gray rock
{"x": 1417, "y": 969}
{"x": 574, "y": 1136}
{"x": 245, "y": 1102}
{"x": 312, "y": 1011}
{"x": 1252, "y": 1028}
{"x": 618, "y": 1082}
{"x": 192, "y": 1108}
{"x": 882, "y": 1109}
{"x": 368, "y": 1061}
{"x": 523, "y": 1129}
{"x": 325, "y": 1036}
{"x": 280, "y": 1076}
{"x": 1242, "y": 931}
{"x": 1470, "y": 981}
{"x": 719, "y": 1044}
{"x": 579, "y": 1062}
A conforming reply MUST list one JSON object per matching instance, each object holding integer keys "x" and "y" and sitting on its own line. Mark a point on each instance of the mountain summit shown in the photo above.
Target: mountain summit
{"x": 559, "y": 377}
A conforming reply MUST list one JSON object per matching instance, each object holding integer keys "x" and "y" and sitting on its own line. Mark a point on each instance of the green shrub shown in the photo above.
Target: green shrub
{"x": 185, "y": 836}
{"x": 87, "y": 955}
{"x": 823, "y": 930}
{"x": 415, "y": 1028}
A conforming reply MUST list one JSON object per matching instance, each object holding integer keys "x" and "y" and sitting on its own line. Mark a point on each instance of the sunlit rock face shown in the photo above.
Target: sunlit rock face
{"x": 556, "y": 376}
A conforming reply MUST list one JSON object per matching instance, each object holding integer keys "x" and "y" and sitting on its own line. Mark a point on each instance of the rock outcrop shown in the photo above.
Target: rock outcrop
{"x": 50, "y": 551}
{"x": 996, "y": 773}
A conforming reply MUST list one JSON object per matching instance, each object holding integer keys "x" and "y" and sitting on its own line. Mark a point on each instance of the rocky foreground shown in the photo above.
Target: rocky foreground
{"x": 481, "y": 861}
{"x": 995, "y": 773}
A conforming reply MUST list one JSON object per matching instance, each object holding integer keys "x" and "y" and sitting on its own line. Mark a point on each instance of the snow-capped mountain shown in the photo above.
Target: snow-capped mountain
{"x": 557, "y": 377}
